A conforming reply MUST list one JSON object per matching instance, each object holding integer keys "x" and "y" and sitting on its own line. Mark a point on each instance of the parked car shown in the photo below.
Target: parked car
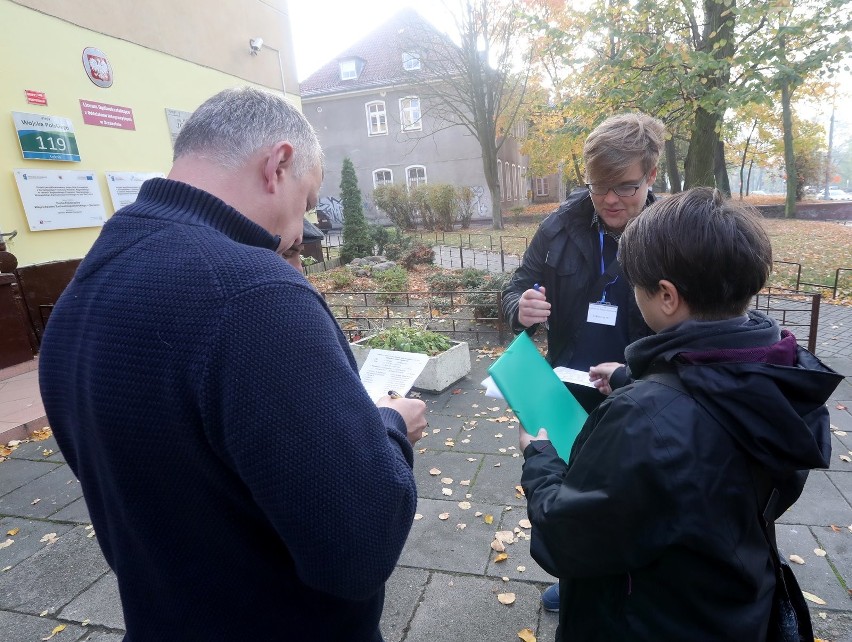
{"x": 837, "y": 194}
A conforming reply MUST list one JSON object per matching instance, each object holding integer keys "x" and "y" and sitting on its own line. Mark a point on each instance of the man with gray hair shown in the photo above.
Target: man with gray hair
{"x": 241, "y": 483}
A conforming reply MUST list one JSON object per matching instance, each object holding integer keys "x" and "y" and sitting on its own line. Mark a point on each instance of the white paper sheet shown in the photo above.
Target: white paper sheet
{"x": 570, "y": 375}
{"x": 385, "y": 370}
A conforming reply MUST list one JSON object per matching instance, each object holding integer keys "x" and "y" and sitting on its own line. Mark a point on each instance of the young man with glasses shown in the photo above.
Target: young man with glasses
{"x": 569, "y": 279}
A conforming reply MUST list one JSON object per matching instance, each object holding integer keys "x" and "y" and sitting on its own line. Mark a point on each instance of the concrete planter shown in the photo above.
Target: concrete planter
{"x": 441, "y": 371}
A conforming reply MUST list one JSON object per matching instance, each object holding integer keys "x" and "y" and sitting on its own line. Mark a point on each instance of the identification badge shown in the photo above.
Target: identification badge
{"x": 602, "y": 313}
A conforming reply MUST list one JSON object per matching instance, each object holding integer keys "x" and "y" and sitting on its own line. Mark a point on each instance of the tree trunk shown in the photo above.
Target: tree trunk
{"x": 723, "y": 183}
{"x": 745, "y": 156}
{"x": 748, "y": 177}
{"x": 699, "y": 164}
{"x": 789, "y": 154}
{"x": 671, "y": 167}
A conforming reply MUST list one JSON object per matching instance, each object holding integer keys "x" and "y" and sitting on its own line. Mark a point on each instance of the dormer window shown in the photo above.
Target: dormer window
{"x": 348, "y": 69}
{"x": 410, "y": 60}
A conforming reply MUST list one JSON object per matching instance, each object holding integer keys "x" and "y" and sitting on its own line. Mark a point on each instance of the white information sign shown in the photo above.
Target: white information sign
{"x": 59, "y": 200}
{"x": 176, "y": 118}
{"x": 124, "y": 186}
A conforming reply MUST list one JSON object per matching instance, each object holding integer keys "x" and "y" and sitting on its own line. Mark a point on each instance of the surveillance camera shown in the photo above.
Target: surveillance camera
{"x": 255, "y": 44}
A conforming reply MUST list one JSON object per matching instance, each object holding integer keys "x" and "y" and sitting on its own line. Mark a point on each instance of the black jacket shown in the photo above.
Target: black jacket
{"x": 653, "y": 524}
{"x": 561, "y": 257}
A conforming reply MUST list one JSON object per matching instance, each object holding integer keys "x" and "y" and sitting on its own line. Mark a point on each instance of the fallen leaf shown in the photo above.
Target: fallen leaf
{"x": 5, "y": 452}
{"x": 465, "y": 441}
{"x": 444, "y": 516}
{"x": 846, "y": 458}
{"x": 91, "y": 535}
{"x": 498, "y": 546}
{"x": 35, "y": 501}
{"x": 56, "y": 629}
{"x": 499, "y": 435}
{"x": 506, "y": 598}
{"x": 47, "y": 452}
{"x": 41, "y": 435}
{"x": 464, "y": 482}
{"x": 461, "y": 527}
{"x": 446, "y": 480}
{"x": 504, "y": 578}
{"x": 501, "y": 557}
{"x": 43, "y": 613}
{"x": 836, "y": 529}
{"x": 13, "y": 532}
{"x": 434, "y": 472}
{"x": 436, "y": 431}
{"x": 526, "y": 635}
{"x": 489, "y": 519}
{"x": 471, "y": 458}
{"x": 85, "y": 622}
{"x": 422, "y": 450}
{"x": 797, "y": 559}
{"x": 14, "y": 443}
{"x": 501, "y": 420}
{"x": 840, "y": 406}
{"x": 447, "y": 491}
{"x": 464, "y": 505}
{"x": 417, "y": 516}
{"x": 478, "y": 514}
{"x": 521, "y": 569}
{"x": 822, "y": 615}
{"x": 840, "y": 433}
{"x": 497, "y": 465}
{"x": 819, "y": 552}
{"x": 457, "y": 391}
{"x": 7, "y": 543}
{"x": 49, "y": 538}
{"x": 525, "y": 523}
{"x": 813, "y": 598}
{"x": 505, "y": 536}
{"x": 5, "y": 568}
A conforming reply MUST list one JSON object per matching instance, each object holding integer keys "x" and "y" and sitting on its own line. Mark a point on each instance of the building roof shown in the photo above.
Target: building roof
{"x": 380, "y": 54}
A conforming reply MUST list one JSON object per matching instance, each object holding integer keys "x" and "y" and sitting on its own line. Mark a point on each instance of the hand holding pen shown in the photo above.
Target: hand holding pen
{"x": 533, "y": 307}
{"x": 413, "y": 412}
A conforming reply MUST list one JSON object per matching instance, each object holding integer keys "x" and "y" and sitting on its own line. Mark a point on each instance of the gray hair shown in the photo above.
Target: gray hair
{"x": 235, "y": 123}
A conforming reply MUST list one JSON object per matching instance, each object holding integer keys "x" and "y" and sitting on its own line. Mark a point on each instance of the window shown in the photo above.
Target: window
{"x": 377, "y": 121}
{"x": 513, "y": 184}
{"x": 500, "y": 180}
{"x": 348, "y": 69}
{"x": 382, "y": 177}
{"x": 410, "y": 60}
{"x": 541, "y": 187}
{"x": 416, "y": 175}
{"x": 409, "y": 113}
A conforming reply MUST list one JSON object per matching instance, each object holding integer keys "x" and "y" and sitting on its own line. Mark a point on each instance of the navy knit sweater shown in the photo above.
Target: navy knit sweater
{"x": 241, "y": 483}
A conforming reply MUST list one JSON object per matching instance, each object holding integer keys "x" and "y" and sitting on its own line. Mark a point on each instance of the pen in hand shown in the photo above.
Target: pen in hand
{"x": 393, "y": 394}
{"x": 537, "y": 288}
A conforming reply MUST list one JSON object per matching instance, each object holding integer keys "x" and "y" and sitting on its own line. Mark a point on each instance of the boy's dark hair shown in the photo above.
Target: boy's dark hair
{"x": 714, "y": 251}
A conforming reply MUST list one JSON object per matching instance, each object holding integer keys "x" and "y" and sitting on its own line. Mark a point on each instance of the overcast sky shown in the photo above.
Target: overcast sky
{"x": 324, "y": 28}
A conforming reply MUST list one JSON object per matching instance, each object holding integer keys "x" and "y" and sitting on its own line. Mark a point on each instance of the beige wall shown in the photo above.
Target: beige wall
{"x": 43, "y": 53}
{"x": 212, "y": 34}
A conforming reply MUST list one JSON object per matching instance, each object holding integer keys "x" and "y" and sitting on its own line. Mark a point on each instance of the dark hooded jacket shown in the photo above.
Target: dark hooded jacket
{"x": 653, "y": 525}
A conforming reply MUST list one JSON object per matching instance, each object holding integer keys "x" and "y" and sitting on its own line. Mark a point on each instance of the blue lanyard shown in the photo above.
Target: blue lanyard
{"x": 603, "y": 268}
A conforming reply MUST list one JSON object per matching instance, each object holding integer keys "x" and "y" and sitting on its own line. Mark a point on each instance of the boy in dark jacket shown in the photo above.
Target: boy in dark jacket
{"x": 654, "y": 524}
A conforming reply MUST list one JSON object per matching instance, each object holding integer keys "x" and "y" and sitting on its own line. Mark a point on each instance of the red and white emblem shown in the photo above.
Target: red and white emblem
{"x": 97, "y": 67}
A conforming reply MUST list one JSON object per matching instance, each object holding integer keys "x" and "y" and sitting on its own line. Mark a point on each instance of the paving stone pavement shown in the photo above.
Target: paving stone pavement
{"x": 446, "y": 583}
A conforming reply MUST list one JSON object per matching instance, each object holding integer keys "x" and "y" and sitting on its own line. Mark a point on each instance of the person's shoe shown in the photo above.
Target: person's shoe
{"x": 550, "y": 598}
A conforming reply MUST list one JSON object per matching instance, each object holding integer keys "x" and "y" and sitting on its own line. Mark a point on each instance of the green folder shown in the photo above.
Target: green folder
{"x": 537, "y": 395}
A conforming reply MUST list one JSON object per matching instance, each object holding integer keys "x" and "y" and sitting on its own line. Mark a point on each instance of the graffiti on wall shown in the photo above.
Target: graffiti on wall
{"x": 332, "y": 207}
{"x": 481, "y": 201}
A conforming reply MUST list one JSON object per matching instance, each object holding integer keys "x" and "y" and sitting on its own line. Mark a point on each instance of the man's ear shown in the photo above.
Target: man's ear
{"x": 652, "y": 176}
{"x": 278, "y": 160}
{"x": 671, "y": 302}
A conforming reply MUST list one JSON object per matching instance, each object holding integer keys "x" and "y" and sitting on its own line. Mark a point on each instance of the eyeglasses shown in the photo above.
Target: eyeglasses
{"x": 620, "y": 190}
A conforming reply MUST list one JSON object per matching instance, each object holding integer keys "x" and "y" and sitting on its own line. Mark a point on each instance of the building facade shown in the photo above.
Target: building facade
{"x": 119, "y": 76}
{"x": 369, "y": 104}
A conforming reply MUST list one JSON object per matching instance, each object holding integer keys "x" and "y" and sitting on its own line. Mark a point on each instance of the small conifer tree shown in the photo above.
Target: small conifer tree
{"x": 356, "y": 233}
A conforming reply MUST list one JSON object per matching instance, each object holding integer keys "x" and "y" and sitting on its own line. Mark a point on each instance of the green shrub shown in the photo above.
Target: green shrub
{"x": 341, "y": 279}
{"x": 484, "y": 298}
{"x": 464, "y": 204}
{"x": 397, "y": 246}
{"x": 419, "y": 254}
{"x": 516, "y": 214}
{"x": 356, "y": 235}
{"x": 391, "y": 282}
{"x": 472, "y": 278}
{"x": 407, "y": 339}
{"x": 395, "y": 201}
{"x": 381, "y": 236}
{"x": 444, "y": 281}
